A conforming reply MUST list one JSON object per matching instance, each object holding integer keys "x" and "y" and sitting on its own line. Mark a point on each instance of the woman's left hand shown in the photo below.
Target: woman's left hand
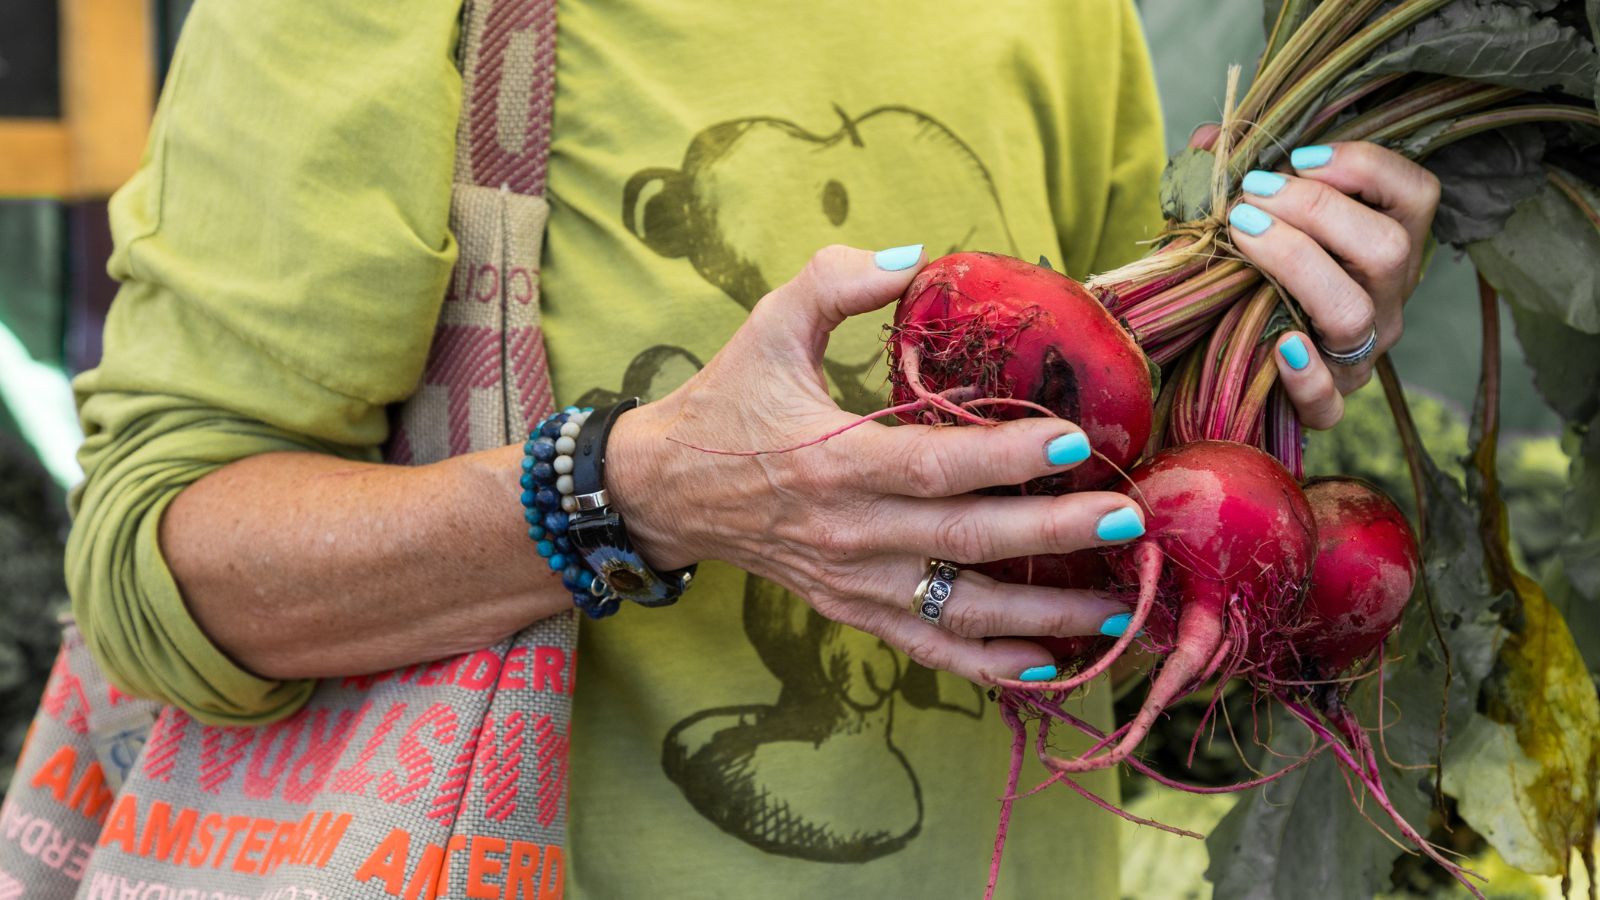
{"x": 1344, "y": 236}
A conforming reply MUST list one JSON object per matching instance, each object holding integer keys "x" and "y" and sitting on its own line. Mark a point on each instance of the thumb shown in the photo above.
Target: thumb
{"x": 840, "y": 282}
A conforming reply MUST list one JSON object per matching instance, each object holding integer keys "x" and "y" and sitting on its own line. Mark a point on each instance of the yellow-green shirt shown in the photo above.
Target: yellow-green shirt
{"x": 284, "y": 250}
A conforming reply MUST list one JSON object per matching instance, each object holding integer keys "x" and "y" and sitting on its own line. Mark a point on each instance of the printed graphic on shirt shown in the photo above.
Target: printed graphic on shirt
{"x": 833, "y": 711}
{"x": 754, "y": 198}
{"x": 751, "y": 200}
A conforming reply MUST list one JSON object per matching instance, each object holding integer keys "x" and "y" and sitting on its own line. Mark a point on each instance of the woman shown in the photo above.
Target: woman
{"x": 785, "y": 732}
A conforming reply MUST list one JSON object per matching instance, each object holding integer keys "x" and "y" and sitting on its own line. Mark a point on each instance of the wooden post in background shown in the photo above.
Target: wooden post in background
{"x": 107, "y": 93}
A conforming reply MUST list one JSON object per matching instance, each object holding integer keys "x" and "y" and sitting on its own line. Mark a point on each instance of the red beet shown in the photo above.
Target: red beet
{"x": 976, "y": 333}
{"x": 1240, "y": 539}
{"x": 1367, "y": 564}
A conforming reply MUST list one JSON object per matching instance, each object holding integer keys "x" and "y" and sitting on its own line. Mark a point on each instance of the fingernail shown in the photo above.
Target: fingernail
{"x": 1068, "y": 449}
{"x": 1038, "y": 673}
{"x": 1311, "y": 157}
{"x": 896, "y": 258}
{"x": 1119, "y": 525}
{"x": 1117, "y": 625}
{"x": 1294, "y": 353}
{"x": 1263, "y": 184}
{"x": 1249, "y": 220}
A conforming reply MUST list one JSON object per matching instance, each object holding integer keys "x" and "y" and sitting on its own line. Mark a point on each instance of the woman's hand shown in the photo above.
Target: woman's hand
{"x": 850, "y": 523}
{"x": 1351, "y": 263}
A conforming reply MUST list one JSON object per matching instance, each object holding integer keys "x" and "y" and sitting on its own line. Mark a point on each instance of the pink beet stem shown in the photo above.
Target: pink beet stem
{"x": 1043, "y": 750}
{"x": 1368, "y": 778}
{"x": 1138, "y": 820}
{"x": 911, "y": 369}
{"x": 1149, "y": 557}
{"x": 1138, "y": 766}
{"x": 1019, "y": 746}
{"x": 1199, "y": 635}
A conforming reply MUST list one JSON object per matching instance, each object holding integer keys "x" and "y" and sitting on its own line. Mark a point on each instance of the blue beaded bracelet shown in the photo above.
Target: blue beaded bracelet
{"x": 547, "y": 499}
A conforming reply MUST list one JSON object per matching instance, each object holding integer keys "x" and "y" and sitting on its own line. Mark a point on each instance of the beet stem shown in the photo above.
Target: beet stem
{"x": 1149, "y": 558}
{"x": 1374, "y": 786}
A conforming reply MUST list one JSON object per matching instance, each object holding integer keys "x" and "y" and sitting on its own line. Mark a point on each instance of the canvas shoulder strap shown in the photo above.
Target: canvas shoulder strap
{"x": 487, "y": 381}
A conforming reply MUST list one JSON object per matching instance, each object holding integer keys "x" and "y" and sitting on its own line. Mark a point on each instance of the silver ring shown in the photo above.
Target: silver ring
{"x": 934, "y": 589}
{"x": 1354, "y": 357}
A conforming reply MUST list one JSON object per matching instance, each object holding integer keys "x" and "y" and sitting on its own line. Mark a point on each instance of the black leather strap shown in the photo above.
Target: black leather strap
{"x": 597, "y": 531}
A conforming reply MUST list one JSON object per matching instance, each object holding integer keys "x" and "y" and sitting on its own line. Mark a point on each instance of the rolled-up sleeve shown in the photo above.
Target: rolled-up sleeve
{"x": 283, "y": 249}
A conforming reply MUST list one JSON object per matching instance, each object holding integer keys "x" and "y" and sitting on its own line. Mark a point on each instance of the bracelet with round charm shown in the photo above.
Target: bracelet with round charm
{"x": 548, "y": 502}
{"x": 597, "y": 531}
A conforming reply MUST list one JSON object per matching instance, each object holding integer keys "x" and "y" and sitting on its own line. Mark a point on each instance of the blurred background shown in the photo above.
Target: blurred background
{"x": 78, "y": 81}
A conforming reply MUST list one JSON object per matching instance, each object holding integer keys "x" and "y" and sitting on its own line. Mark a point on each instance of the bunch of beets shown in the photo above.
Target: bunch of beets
{"x": 1244, "y": 573}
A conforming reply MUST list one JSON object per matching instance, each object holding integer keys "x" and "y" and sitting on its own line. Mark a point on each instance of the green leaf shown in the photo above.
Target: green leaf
{"x": 1186, "y": 185}
{"x": 1482, "y": 179}
{"x": 1565, "y": 362}
{"x": 1524, "y": 773}
{"x": 1524, "y": 770}
{"x": 1544, "y": 258}
{"x": 1279, "y": 842}
{"x": 1493, "y": 42}
{"x": 1580, "y": 553}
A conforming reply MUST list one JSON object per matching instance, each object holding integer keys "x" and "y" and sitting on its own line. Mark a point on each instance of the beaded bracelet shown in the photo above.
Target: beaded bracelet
{"x": 547, "y": 501}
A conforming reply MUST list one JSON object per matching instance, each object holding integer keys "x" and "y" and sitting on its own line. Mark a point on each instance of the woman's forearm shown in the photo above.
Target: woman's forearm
{"x": 302, "y": 565}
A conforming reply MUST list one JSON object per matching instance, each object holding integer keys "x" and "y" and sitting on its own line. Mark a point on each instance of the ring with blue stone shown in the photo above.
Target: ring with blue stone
{"x": 934, "y": 589}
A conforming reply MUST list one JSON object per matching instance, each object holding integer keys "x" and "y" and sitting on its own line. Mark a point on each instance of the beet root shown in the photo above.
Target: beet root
{"x": 1020, "y": 339}
{"x": 1238, "y": 539}
{"x": 1366, "y": 568}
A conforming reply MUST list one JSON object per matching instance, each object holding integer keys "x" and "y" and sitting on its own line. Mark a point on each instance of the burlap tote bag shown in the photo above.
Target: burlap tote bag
{"x": 444, "y": 779}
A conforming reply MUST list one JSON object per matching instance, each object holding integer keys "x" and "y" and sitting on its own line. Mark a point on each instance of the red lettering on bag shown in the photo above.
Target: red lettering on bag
{"x": 482, "y": 670}
{"x": 255, "y": 840}
{"x": 500, "y": 762}
{"x": 63, "y": 692}
{"x": 354, "y": 779}
{"x": 425, "y": 883}
{"x": 260, "y": 781}
{"x": 56, "y": 773}
{"x": 481, "y": 865}
{"x": 549, "y": 669}
{"x": 387, "y": 861}
{"x": 414, "y": 757}
{"x": 284, "y": 845}
{"x": 492, "y": 288}
{"x": 447, "y": 804}
{"x": 520, "y": 284}
{"x": 522, "y": 873}
{"x": 207, "y": 838}
{"x": 234, "y": 824}
{"x": 166, "y": 739}
{"x": 550, "y": 749}
{"x": 123, "y": 824}
{"x": 324, "y": 839}
{"x": 511, "y": 672}
{"x": 324, "y": 746}
{"x": 430, "y": 673}
{"x": 167, "y": 837}
{"x": 220, "y": 751}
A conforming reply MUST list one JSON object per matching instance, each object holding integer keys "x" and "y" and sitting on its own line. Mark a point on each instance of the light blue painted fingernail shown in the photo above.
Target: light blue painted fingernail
{"x": 1294, "y": 353}
{"x": 1119, "y": 525}
{"x": 1311, "y": 157}
{"x": 1249, "y": 220}
{"x": 1038, "y": 673}
{"x": 1068, "y": 449}
{"x": 896, "y": 258}
{"x": 1117, "y": 625}
{"x": 1262, "y": 184}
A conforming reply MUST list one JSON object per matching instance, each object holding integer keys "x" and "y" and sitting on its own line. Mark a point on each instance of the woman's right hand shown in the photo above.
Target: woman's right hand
{"x": 850, "y": 523}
